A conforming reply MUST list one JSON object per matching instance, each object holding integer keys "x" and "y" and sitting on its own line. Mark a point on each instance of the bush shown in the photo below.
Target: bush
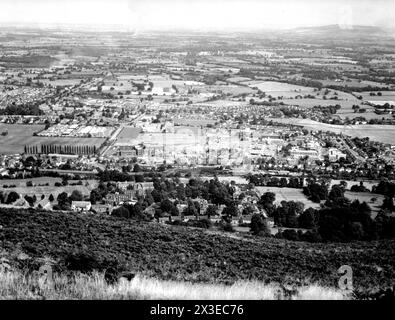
{"x": 311, "y": 236}
{"x": 259, "y": 225}
{"x": 203, "y": 223}
{"x": 226, "y": 226}
{"x": 121, "y": 212}
{"x": 290, "y": 234}
{"x": 82, "y": 261}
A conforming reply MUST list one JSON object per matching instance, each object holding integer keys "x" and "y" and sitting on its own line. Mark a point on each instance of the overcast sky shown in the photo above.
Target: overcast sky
{"x": 201, "y": 14}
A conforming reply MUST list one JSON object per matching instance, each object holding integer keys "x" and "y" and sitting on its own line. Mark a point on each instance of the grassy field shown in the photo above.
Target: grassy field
{"x": 288, "y": 194}
{"x": 168, "y": 253}
{"x": 380, "y": 133}
{"x": 129, "y": 133}
{"x": 279, "y": 88}
{"x": 20, "y": 135}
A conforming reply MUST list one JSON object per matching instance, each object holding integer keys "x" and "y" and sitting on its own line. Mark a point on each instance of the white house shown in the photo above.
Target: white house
{"x": 81, "y": 206}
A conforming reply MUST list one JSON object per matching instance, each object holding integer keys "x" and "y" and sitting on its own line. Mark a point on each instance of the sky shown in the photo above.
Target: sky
{"x": 218, "y": 15}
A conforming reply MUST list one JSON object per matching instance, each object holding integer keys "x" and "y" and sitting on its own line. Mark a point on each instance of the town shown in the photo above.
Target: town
{"x": 249, "y": 136}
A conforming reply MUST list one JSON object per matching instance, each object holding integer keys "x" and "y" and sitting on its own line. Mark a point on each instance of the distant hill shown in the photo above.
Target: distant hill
{"x": 337, "y": 32}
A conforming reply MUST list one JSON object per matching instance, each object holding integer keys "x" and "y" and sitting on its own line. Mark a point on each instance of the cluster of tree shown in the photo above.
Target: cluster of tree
{"x": 23, "y": 110}
{"x": 115, "y": 175}
{"x": 338, "y": 219}
{"x": 387, "y": 189}
{"x": 9, "y": 198}
{"x": 316, "y": 191}
{"x": 266, "y": 180}
{"x": 213, "y": 191}
{"x": 64, "y": 200}
{"x": 129, "y": 211}
{"x": 103, "y": 189}
{"x": 327, "y": 110}
{"x": 359, "y": 188}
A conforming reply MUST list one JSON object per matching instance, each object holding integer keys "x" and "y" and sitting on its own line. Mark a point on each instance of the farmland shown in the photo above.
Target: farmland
{"x": 176, "y": 253}
{"x": 281, "y": 89}
{"x": 380, "y": 133}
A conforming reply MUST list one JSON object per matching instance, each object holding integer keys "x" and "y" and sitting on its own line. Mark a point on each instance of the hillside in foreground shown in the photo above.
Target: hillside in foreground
{"x": 176, "y": 253}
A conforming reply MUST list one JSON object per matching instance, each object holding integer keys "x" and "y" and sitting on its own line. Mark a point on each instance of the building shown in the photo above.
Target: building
{"x": 117, "y": 198}
{"x": 335, "y": 154}
{"x": 79, "y": 206}
{"x": 300, "y": 153}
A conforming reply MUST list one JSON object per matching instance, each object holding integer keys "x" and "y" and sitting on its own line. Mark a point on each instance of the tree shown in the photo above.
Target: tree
{"x": 121, "y": 212}
{"x": 76, "y": 195}
{"x": 12, "y": 197}
{"x": 211, "y": 211}
{"x": 166, "y": 205}
{"x": 259, "y": 225}
{"x": 230, "y": 211}
{"x": 63, "y": 201}
{"x": 308, "y": 219}
{"x": 316, "y": 192}
{"x": 51, "y": 198}
{"x": 95, "y": 196}
{"x": 266, "y": 202}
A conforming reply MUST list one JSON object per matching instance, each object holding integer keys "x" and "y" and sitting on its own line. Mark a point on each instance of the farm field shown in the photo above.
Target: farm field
{"x": 179, "y": 253}
{"x": 288, "y": 194}
{"x": 380, "y": 133}
{"x": 20, "y": 135}
{"x": 385, "y": 95}
{"x": 280, "y": 89}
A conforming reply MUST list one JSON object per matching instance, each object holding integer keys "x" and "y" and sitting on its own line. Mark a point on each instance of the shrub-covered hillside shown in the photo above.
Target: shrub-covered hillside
{"x": 179, "y": 253}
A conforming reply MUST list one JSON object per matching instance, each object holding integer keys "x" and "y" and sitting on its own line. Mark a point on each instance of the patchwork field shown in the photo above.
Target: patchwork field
{"x": 380, "y": 133}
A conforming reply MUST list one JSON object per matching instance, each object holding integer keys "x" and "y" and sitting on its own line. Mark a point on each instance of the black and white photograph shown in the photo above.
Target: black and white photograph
{"x": 197, "y": 150}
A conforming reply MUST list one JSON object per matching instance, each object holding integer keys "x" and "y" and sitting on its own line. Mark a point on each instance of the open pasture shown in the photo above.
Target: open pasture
{"x": 385, "y": 96}
{"x": 279, "y": 88}
{"x": 21, "y": 135}
{"x": 288, "y": 194}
